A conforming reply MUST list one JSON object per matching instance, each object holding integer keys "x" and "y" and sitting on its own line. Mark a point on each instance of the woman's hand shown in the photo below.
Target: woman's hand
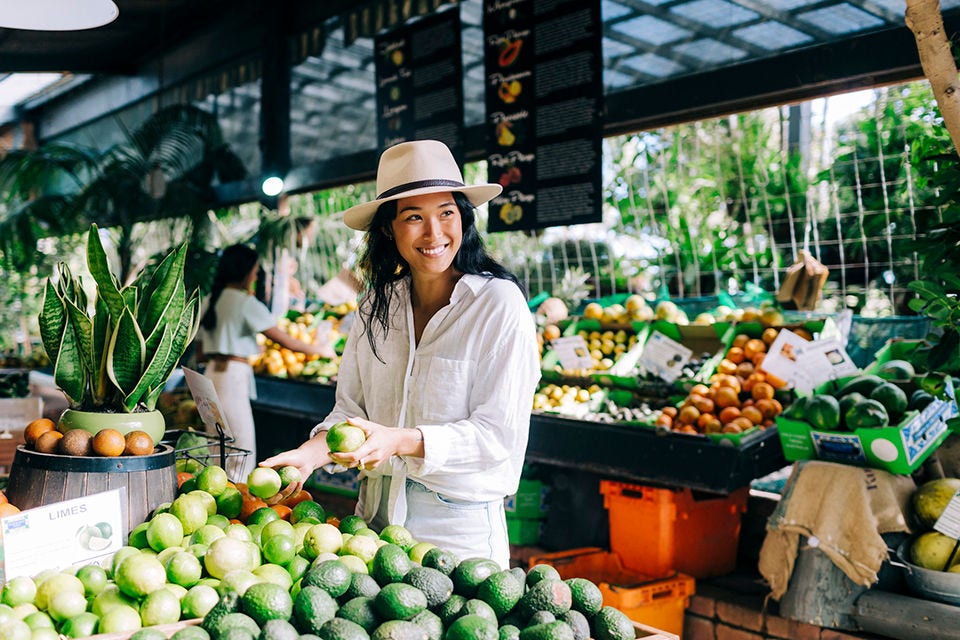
{"x": 382, "y": 443}
{"x": 311, "y": 454}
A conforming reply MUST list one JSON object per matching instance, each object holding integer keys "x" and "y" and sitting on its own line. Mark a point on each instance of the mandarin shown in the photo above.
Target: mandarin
{"x": 762, "y": 390}
{"x": 735, "y": 355}
{"x": 728, "y": 414}
{"x": 108, "y": 443}
{"x": 8, "y": 509}
{"x": 138, "y": 443}
{"x": 769, "y": 335}
{"x": 688, "y": 415}
{"x": 726, "y": 397}
{"x": 282, "y": 510}
{"x": 47, "y": 442}
{"x": 700, "y": 389}
{"x": 753, "y": 414}
{"x": 753, "y": 347}
{"x": 740, "y": 340}
{"x": 36, "y": 429}
{"x": 712, "y": 426}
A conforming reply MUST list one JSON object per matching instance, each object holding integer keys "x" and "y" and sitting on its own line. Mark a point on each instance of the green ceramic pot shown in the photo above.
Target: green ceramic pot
{"x": 149, "y": 421}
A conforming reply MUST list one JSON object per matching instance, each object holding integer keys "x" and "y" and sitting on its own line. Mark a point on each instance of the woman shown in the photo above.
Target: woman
{"x": 440, "y": 371}
{"x": 228, "y": 337}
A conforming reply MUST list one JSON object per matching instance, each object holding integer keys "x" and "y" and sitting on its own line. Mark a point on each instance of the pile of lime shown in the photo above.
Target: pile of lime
{"x": 296, "y": 573}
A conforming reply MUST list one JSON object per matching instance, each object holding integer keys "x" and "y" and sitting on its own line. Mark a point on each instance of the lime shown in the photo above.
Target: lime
{"x": 254, "y": 530}
{"x": 66, "y": 604}
{"x": 44, "y": 634}
{"x": 120, "y": 619}
{"x": 362, "y": 547}
{"x": 297, "y": 567}
{"x": 321, "y": 538}
{"x": 230, "y": 502}
{"x": 15, "y": 630}
{"x": 38, "y": 620}
{"x": 219, "y": 520}
{"x": 207, "y": 534}
{"x": 167, "y": 553}
{"x": 138, "y": 536}
{"x": 191, "y": 511}
{"x": 198, "y": 601}
{"x": 355, "y": 564}
{"x": 213, "y": 479}
{"x": 122, "y": 554}
{"x": 238, "y": 580}
{"x": 165, "y": 530}
{"x": 274, "y": 528}
{"x": 398, "y": 535}
{"x": 267, "y": 601}
{"x": 55, "y": 584}
{"x": 208, "y": 500}
{"x": 110, "y": 597}
{"x": 160, "y": 607}
{"x": 198, "y": 550}
{"x": 238, "y": 531}
{"x": 262, "y": 516}
{"x": 274, "y": 573}
{"x": 343, "y": 437}
{"x": 308, "y": 509}
{"x": 367, "y": 531}
{"x": 280, "y": 549}
{"x": 176, "y": 590}
{"x": 289, "y": 475}
{"x": 229, "y": 554}
{"x": 139, "y": 575}
{"x": 183, "y": 568}
{"x": 352, "y": 524}
{"x": 93, "y": 577}
{"x": 18, "y": 590}
{"x": 419, "y": 550}
{"x": 24, "y": 609}
{"x": 263, "y": 482}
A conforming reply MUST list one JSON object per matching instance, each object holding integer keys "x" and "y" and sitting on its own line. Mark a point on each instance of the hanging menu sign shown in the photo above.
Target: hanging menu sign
{"x": 544, "y": 96}
{"x": 419, "y": 75}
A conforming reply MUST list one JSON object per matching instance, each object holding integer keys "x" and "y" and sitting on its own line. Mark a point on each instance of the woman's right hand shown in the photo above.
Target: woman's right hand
{"x": 312, "y": 454}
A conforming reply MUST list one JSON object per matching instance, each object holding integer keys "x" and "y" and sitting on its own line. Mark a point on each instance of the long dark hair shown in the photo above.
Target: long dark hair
{"x": 381, "y": 264}
{"x": 235, "y": 264}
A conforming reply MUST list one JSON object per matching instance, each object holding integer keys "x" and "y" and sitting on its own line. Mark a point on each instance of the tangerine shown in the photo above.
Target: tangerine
{"x": 138, "y": 443}
{"x": 726, "y": 397}
{"x": 742, "y": 422}
{"x": 744, "y": 369}
{"x": 108, "y": 443}
{"x": 712, "y": 426}
{"x": 728, "y": 414}
{"x": 37, "y": 428}
{"x": 47, "y": 442}
{"x": 740, "y": 340}
{"x": 727, "y": 367}
{"x": 670, "y": 411}
{"x": 753, "y": 347}
{"x": 762, "y": 390}
{"x": 767, "y": 407}
{"x": 282, "y": 510}
{"x": 688, "y": 415}
{"x": 704, "y": 405}
{"x": 663, "y": 420}
{"x": 731, "y": 427}
{"x": 250, "y": 504}
{"x": 735, "y": 355}
{"x": 7, "y": 509}
{"x": 700, "y": 389}
{"x": 769, "y": 335}
{"x": 183, "y": 476}
{"x": 753, "y": 414}
{"x": 3, "y": 498}
{"x": 296, "y": 498}
{"x": 551, "y": 332}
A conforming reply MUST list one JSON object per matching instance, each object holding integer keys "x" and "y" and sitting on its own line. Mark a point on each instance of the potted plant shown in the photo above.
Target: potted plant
{"x": 112, "y": 355}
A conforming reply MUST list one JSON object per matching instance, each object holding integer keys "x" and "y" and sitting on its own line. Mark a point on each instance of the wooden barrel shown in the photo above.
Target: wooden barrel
{"x": 38, "y": 479}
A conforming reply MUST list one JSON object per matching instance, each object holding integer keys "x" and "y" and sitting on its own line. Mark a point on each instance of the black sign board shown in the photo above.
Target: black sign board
{"x": 419, "y": 75}
{"x": 544, "y": 96}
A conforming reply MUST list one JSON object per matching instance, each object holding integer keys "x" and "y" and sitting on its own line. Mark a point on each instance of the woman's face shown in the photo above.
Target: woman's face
{"x": 428, "y": 232}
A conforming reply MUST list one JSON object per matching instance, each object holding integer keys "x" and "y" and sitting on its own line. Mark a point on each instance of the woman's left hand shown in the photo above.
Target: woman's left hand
{"x": 381, "y": 444}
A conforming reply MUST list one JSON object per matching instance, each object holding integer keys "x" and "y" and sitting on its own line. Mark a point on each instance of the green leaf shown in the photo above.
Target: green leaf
{"x": 52, "y": 319}
{"x": 161, "y": 288}
{"x": 152, "y": 373}
{"x": 130, "y": 298}
{"x": 126, "y": 353}
{"x": 83, "y": 329}
{"x": 186, "y": 329}
{"x": 926, "y": 288}
{"x": 67, "y": 372}
{"x": 102, "y": 330}
{"x": 171, "y": 314}
{"x": 100, "y": 270}
{"x": 916, "y": 304}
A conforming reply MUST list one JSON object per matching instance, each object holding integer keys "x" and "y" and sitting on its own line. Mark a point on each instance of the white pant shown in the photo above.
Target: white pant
{"x": 467, "y": 529}
{"x": 233, "y": 386}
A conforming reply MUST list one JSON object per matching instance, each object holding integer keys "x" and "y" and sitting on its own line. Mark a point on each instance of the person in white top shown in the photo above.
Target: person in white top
{"x": 227, "y": 338}
{"x": 440, "y": 370}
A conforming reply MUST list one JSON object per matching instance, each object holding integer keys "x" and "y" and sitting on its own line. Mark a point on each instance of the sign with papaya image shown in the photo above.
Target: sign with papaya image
{"x": 544, "y": 93}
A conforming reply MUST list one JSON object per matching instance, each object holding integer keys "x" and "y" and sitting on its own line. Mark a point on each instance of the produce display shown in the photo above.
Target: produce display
{"x": 221, "y": 557}
{"x": 281, "y": 362}
{"x": 931, "y": 549}
{"x": 42, "y": 435}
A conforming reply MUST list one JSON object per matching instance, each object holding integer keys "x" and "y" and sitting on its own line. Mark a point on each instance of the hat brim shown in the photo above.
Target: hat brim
{"x": 360, "y": 216}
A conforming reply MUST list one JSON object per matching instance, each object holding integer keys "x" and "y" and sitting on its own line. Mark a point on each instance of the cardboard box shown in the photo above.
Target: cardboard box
{"x": 530, "y": 500}
{"x": 524, "y": 531}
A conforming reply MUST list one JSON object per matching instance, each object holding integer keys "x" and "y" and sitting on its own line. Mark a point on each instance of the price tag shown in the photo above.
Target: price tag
{"x": 664, "y": 356}
{"x": 63, "y": 534}
{"x": 949, "y": 521}
{"x": 805, "y": 365}
{"x": 208, "y": 402}
{"x": 572, "y": 352}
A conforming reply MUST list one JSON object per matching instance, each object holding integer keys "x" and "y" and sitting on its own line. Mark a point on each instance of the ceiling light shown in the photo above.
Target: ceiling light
{"x": 272, "y": 186}
{"x": 57, "y": 15}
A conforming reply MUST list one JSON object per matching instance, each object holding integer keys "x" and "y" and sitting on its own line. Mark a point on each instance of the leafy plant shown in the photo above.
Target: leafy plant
{"x": 118, "y": 358}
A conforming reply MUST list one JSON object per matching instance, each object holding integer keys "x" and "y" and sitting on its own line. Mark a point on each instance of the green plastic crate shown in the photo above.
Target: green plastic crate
{"x": 523, "y": 531}
{"x": 530, "y": 500}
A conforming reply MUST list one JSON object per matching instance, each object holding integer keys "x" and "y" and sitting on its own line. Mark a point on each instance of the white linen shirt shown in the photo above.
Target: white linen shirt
{"x": 240, "y": 317}
{"x": 468, "y": 386}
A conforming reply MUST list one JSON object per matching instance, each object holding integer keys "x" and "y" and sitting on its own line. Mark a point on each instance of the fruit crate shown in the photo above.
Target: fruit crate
{"x": 529, "y": 501}
{"x": 900, "y": 448}
{"x": 197, "y": 449}
{"x": 657, "y": 532}
{"x": 654, "y": 602}
{"x": 524, "y": 531}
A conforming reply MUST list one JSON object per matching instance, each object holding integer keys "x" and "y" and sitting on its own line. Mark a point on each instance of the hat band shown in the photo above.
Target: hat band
{"x": 419, "y": 184}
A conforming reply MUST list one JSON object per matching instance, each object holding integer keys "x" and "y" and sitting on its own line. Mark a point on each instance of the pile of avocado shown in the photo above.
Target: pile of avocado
{"x": 440, "y": 599}
{"x": 865, "y": 401}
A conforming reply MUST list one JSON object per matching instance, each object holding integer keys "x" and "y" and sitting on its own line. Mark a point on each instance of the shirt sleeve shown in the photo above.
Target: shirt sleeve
{"x": 257, "y": 315}
{"x": 500, "y": 400}
{"x": 349, "y": 396}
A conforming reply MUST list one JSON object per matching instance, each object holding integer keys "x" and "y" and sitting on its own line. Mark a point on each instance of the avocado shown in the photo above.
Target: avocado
{"x": 899, "y": 370}
{"x": 586, "y": 596}
{"x": 612, "y": 624}
{"x": 441, "y": 560}
{"x": 340, "y": 629}
{"x": 509, "y": 632}
{"x": 236, "y": 621}
{"x": 547, "y": 595}
{"x": 390, "y": 564}
{"x": 266, "y": 601}
{"x": 540, "y": 571}
{"x": 451, "y": 609}
{"x": 556, "y": 630}
{"x": 193, "y": 632}
{"x": 229, "y": 602}
{"x": 578, "y": 623}
{"x": 434, "y": 584}
{"x": 361, "y": 584}
{"x": 399, "y": 630}
{"x": 477, "y": 607}
{"x": 399, "y": 601}
{"x": 541, "y": 617}
{"x": 470, "y": 573}
{"x": 361, "y": 611}
{"x": 430, "y": 622}
{"x": 472, "y": 627}
{"x": 501, "y": 591}
{"x": 311, "y": 608}
{"x": 332, "y": 576}
{"x": 278, "y": 629}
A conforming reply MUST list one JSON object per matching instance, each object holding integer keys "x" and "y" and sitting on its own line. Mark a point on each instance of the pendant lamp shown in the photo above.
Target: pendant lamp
{"x": 56, "y": 15}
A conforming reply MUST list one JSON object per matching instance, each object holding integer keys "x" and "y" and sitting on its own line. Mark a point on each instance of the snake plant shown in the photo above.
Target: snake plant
{"x": 117, "y": 358}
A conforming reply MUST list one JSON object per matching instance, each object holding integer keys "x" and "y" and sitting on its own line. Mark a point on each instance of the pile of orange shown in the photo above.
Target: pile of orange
{"x": 6, "y": 509}
{"x": 42, "y": 435}
{"x": 252, "y": 503}
{"x": 740, "y": 395}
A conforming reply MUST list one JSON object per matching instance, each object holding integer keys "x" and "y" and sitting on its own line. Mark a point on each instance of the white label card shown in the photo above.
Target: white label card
{"x": 63, "y": 534}
{"x": 664, "y": 356}
{"x": 572, "y": 352}
{"x": 949, "y": 521}
{"x": 208, "y": 402}
{"x": 805, "y": 365}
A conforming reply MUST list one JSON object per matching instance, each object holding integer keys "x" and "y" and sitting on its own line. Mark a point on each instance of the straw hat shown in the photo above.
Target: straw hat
{"x": 414, "y": 169}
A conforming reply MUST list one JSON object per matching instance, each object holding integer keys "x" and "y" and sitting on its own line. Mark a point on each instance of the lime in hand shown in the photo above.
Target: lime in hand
{"x": 343, "y": 437}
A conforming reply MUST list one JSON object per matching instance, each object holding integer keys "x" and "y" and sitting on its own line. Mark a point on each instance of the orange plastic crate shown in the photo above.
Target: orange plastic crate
{"x": 656, "y": 532}
{"x": 658, "y": 603}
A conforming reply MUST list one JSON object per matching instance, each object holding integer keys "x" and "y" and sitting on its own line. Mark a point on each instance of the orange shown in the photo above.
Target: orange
{"x": 712, "y": 426}
{"x": 753, "y": 347}
{"x": 767, "y": 407}
{"x": 663, "y": 420}
{"x": 669, "y": 411}
{"x": 726, "y": 366}
{"x": 704, "y": 419}
{"x": 762, "y": 390}
{"x": 769, "y": 335}
{"x": 108, "y": 443}
{"x": 753, "y": 414}
{"x": 183, "y": 476}
{"x": 735, "y": 355}
{"x": 775, "y": 382}
{"x": 727, "y": 397}
{"x": 250, "y": 504}
{"x": 282, "y": 510}
{"x": 8, "y": 509}
{"x": 728, "y": 381}
{"x": 744, "y": 369}
{"x": 740, "y": 340}
{"x": 700, "y": 390}
{"x": 757, "y": 359}
{"x": 296, "y": 498}
{"x": 551, "y": 332}
{"x": 728, "y": 414}
{"x": 37, "y": 428}
{"x": 47, "y": 442}
{"x": 704, "y": 405}
{"x": 742, "y": 422}
{"x": 138, "y": 443}
{"x": 3, "y": 498}
{"x": 731, "y": 427}
{"x": 688, "y": 415}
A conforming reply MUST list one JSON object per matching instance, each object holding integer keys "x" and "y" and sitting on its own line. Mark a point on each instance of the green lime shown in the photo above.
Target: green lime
{"x": 279, "y": 549}
{"x": 66, "y": 604}
{"x": 419, "y": 550}
{"x": 139, "y": 575}
{"x": 262, "y": 516}
{"x": 263, "y": 482}
{"x": 207, "y": 534}
{"x": 38, "y": 620}
{"x": 297, "y": 567}
{"x": 191, "y": 511}
{"x": 355, "y": 564}
{"x": 218, "y": 520}
{"x": 344, "y": 437}
{"x": 55, "y": 584}
{"x": 289, "y": 475}
{"x": 184, "y": 569}
{"x": 165, "y": 530}
{"x": 15, "y": 630}
{"x": 398, "y": 535}
{"x": 159, "y": 607}
{"x": 363, "y": 547}
{"x": 208, "y": 500}
{"x": 352, "y": 523}
{"x": 308, "y": 509}
{"x": 18, "y": 590}
{"x": 230, "y": 502}
{"x": 138, "y": 536}
{"x": 110, "y": 597}
{"x": 238, "y": 580}
{"x": 198, "y": 601}
{"x": 213, "y": 479}
{"x": 93, "y": 577}
{"x": 275, "y": 528}
{"x": 120, "y": 619}
{"x": 321, "y": 538}
{"x": 274, "y": 573}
